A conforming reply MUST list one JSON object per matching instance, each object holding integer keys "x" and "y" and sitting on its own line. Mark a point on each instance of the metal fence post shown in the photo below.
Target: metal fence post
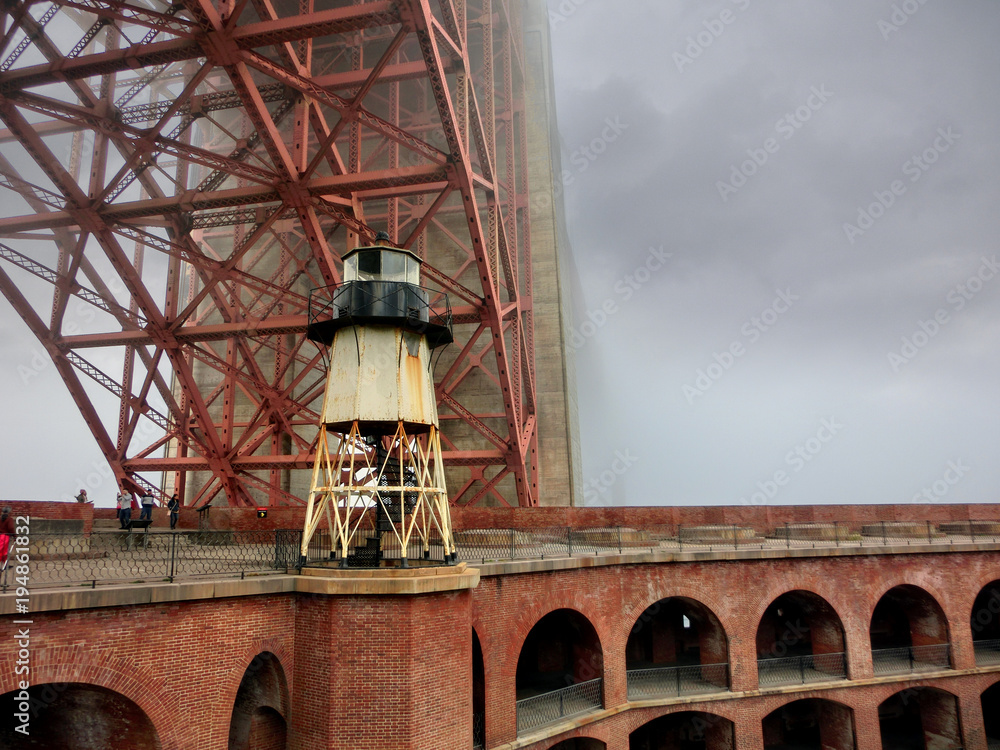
{"x": 736, "y": 544}
{"x": 512, "y": 544}
{"x": 836, "y": 533}
{"x": 885, "y": 540}
{"x": 972, "y": 532}
{"x": 788, "y": 536}
{"x": 173, "y": 556}
{"x": 929, "y": 532}
{"x": 678, "y": 673}
{"x": 569, "y": 540}
{"x": 802, "y": 669}
{"x": 619, "y": 539}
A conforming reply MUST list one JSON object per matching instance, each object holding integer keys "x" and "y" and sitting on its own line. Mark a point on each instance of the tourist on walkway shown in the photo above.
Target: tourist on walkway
{"x": 147, "y": 507}
{"x": 7, "y": 531}
{"x": 174, "y": 506}
{"x": 124, "y": 508}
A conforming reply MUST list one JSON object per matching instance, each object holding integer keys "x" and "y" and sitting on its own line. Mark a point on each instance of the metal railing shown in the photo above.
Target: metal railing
{"x": 550, "y": 707}
{"x": 478, "y": 730}
{"x": 673, "y": 682}
{"x": 140, "y": 556}
{"x": 911, "y": 659}
{"x": 493, "y": 545}
{"x": 987, "y": 652}
{"x": 798, "y": 670}
{"x": 370, "y": 548}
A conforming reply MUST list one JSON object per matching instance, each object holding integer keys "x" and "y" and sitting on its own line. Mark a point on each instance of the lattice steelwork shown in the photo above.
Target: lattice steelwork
{"x": 179, "y": 176}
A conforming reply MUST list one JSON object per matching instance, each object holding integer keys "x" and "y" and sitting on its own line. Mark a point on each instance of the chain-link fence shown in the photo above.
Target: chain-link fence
{"x": 145, "y": 556}
{"x": 987, "y": 652}
{"x": 798, "y": 670}
{"x": 673, "y": 682}
{"x": 929, "y": 658}
{"x": 558, "y": 704}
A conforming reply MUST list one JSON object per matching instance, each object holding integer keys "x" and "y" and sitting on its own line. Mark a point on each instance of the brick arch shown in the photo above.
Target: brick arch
{"x": 788, "y": 585}
{"x": 824, "y": 610}
{"x": 939, "y": 597}
{"x": 637, "y": 605}
{"x": 523, "y": 624}
{"x": 793, "y": 697}
{"x": 641, "y": 717}
{"x": 115, "y": 675}
{"x": 935, "y": 596}
{"x": 242, "y": 661}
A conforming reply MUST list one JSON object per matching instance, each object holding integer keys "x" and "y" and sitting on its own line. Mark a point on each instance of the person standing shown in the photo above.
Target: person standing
{"x": 7, "y": 531}
{"x": 147, "y": 507}
{"x": 124, "y": 508}
{"x": 174, "y": 506}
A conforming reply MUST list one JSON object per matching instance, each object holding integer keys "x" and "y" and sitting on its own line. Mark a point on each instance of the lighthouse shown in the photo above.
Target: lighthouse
{"x": 378, "y": 482}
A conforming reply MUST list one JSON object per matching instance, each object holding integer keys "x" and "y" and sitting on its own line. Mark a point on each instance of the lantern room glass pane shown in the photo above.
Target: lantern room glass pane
{"x": 351, "y": 268}
{"x": 393, "y": 266}
{"x": 412, "y": 271}
{"x": 369, "y": 265}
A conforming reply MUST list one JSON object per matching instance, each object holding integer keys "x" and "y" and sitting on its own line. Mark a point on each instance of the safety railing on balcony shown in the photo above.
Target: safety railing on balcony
{"x": 930, "y": 658}
{"x": 673, "y": 682}
{"x": 478, "y": 730}
{"x": 552, "y": 706}
{"x": 140, "y": 556}
{"x": 798, "y": 670}
{"x": 987, "y": 652}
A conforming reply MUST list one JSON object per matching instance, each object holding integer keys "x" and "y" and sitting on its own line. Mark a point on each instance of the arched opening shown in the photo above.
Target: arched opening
{"x": 478, "y": 694}
{"x": 258, "y": 720}
{"x": 909, "y": 632}
{"x": 579, "y": 743}
{"x": 76, "y": 716}
{"x": 809, "y": 724}
{"x": 985, "y": 623}
{"x": 920, "y": 719}
{"x": 800, "y": 639}
{"x": 559, "y": 670}
{"x": 686, "y": 730}
{"x": 677, "y": 647}
{"x": 990, "y": 700}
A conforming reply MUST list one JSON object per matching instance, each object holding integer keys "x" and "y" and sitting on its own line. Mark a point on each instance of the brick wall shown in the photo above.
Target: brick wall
{"x": 53, "y": 510}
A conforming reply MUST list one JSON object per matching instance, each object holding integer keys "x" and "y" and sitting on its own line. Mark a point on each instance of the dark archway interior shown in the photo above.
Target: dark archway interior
{"x": 809, "y": 724}
{"x": 478, "y": 693}
{"x": 676, "y": 632}
{"x": 907, "y": 616}
{"x": 985, "y": 616}
{"x": 78, "y": 716}
{"x": 919, "y": 719}
{"x": 687, "y": 730}
{"x": 562, "y": 649}
{"x": 580, "y": 743}
{"x": 799, "y": 623}
{"x": 258, "y": 721}
{"x": 990, "y": 700}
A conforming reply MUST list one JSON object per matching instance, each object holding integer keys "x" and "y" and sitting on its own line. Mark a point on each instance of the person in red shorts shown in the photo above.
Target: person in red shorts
{"x": 7, "y": 530}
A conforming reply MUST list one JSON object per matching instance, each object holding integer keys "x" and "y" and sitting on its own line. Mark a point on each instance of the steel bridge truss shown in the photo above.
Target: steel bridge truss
{"x": 177, "y": 177}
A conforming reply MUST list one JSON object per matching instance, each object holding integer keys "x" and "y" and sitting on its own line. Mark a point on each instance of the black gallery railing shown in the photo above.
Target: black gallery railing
{"x": 549, "y": 707}
{"x": 930, "y": 658}
{"x": 673, "y": 682}
{"x": 799, "y": 670}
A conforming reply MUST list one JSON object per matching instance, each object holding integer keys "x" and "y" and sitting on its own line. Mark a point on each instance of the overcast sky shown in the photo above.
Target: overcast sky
{"x": 783, "y": 219}
{"x": 799, "y": 342}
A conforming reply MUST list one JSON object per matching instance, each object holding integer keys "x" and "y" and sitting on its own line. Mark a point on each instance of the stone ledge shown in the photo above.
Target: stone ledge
{"x": 659, "y": 556}
{"x": 329, "y": 583}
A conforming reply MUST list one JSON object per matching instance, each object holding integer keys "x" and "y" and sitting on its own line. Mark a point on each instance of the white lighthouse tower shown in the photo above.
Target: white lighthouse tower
{"x": 378, "y": 481}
